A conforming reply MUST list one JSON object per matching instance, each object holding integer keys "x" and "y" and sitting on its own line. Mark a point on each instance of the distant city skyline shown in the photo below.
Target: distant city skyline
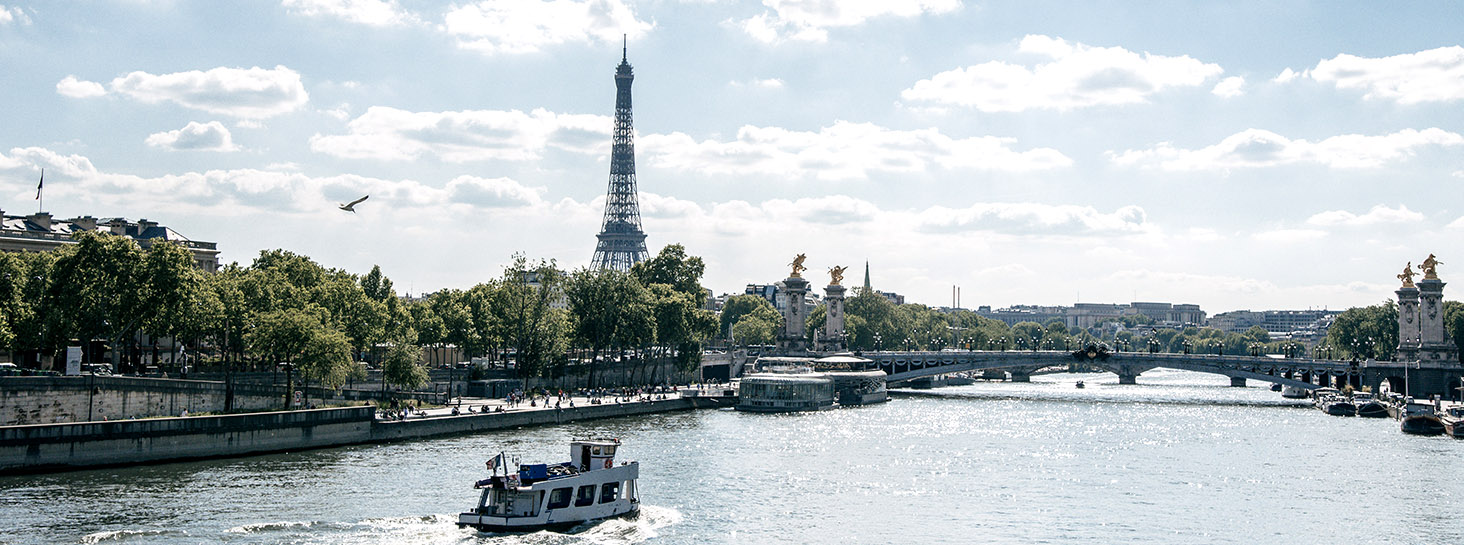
{"x": 1248, "y": 155}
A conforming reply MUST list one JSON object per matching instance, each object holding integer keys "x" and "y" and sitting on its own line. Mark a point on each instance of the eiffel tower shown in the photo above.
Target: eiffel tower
{"x": 622, "y": 243}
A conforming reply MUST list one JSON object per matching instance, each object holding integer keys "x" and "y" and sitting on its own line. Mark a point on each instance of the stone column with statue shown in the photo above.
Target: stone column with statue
{"x": 1434, "y": 345}
{"x": 795, "y": 289}
{"x": 833, "y": 333}
{"x": 1408, "y": 325}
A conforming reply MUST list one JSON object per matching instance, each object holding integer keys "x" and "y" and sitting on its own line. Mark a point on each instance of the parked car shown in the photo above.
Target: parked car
{"x": 99, "y": 369}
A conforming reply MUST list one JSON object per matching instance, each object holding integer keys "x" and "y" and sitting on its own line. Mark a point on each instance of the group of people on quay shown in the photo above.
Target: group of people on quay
{"x": 533, "y": 399}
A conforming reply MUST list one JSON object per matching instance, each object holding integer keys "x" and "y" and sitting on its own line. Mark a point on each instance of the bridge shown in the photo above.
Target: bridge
{"x": 1303, "y": 373}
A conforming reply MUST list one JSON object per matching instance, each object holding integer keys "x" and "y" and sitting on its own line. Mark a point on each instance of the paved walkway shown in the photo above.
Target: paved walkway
{"x": 478, "y": 405}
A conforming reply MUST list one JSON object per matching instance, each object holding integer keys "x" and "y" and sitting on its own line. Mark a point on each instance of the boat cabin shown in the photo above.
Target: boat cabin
{"x": 591, "y": 454}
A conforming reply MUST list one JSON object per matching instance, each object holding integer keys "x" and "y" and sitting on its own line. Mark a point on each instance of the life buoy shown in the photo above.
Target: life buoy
{"x": 607, "y": 463}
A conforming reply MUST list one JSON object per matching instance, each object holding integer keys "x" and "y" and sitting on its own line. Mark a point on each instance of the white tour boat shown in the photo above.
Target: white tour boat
{"x": 538, "y": 496}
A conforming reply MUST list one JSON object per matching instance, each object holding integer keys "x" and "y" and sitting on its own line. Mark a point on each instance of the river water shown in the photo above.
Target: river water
{"x": 1180, "y": 458}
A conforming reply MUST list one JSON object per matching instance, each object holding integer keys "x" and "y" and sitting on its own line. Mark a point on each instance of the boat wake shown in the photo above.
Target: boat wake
{"x": 122, "y": 536}
{"x": 440, "y": 529}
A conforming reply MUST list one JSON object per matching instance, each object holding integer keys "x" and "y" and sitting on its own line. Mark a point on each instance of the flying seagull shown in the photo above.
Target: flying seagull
{"x": 351, "y": 206}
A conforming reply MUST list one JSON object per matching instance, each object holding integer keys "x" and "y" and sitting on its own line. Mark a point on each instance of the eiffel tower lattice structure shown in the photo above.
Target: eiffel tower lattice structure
{"x": 622, "y": 243}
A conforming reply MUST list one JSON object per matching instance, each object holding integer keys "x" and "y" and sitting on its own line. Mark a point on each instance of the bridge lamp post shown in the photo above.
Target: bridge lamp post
{"x": 1186, "y": 345}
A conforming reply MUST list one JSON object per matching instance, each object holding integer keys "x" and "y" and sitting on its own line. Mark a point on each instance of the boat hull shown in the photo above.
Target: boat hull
{"x": 1422, "y": 425}
{"x": 1372, "y": 410}
{"x": 1340, "y": 409}
{"x": 497, "y": 524}
{"x": 1454, "y": 428}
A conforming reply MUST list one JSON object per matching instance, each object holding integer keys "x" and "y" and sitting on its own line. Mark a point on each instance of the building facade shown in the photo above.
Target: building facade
{"x": 40, "y": 232}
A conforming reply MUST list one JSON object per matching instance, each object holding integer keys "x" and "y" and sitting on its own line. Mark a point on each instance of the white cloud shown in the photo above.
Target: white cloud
{"x": 528, "y": 25}
{"x": 1379, "y": 214}
{"x": 1230, "y": 87}
{"x": 392, "y": 134}
{"x": 1456, "y": 224}
{"x": 810, "y": 20}
{"x": 1034, "y": 219}
{"x": 366, "y": 12}
{"x": 1078, "y": 76}
{"x": 492, "y": 192}
{"x": 1434, "y": 75}
{"x": 843, "y": 151}
{"x": 1289, "y": 236}
{"x": 1256, "y": 148}
{"x": 13, "y": 15}
{"x": 770, "y": 83}
{"x": 211, "y": 136}
{"x": 277, "y": 190}
{"x": 1459, "y": 174}
{"x": 75, "y": 88}
{"x": 1286, "y": 76}
{"x": 246, "y": 93}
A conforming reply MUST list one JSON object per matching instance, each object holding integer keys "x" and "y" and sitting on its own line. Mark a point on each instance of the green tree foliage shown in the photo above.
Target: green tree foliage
{"x": 674, "y": 268}
{"x": 736, "y": 306}
{"x": 530, "y": 324}
{"x": 758, "y": 327}
{"x": 1366, "y": 332}
{"x": 1454, "y": 324}
{"x": 400, "y": 366}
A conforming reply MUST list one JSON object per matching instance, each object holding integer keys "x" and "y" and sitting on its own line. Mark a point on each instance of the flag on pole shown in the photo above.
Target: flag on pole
{"x": 40, "y": 184}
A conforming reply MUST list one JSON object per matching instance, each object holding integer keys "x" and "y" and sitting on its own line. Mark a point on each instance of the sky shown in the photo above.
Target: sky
{"x": 1238, "y": 155}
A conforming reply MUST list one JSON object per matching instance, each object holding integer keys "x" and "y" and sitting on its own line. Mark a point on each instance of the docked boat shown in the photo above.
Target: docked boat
{"x": 555, "y": 496}
{"x": 1419, "y": 419}
{"x": 1453, "y": 419}
{"x": 1079, "y": 384}
{"x": 785, "y": 392}
{"x": 1338, "y": 406}
{"x": 1368, "y": 406}
{"x": 1294, "y": 392}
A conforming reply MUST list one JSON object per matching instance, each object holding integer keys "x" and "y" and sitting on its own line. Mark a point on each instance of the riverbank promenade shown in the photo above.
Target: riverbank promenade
{"x": 60, "y": 447}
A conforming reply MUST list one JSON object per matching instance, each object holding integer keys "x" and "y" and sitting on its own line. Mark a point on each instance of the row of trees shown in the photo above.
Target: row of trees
{"x": 874, "y": 323}
{"x": 104, "y": 291}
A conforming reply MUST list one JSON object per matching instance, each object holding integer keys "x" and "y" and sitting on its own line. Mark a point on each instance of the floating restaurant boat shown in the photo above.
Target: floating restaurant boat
{"x": 785, "y": 392}
{"x": 555, "y": 496}
{"x": 1368, "y": 406}
{"x": 1419, "y": 419}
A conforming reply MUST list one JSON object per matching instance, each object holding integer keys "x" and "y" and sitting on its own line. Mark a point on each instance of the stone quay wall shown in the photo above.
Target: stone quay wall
{"x": 50, "y": 400}
{"x": 60, "y": 447}
{"x": 47, "y": 447}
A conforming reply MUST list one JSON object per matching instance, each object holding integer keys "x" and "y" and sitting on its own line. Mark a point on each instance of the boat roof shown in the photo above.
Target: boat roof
{"x": 842, "y": 358}
{"x": 601, "y": 442}
{"x": 799, "y": 378}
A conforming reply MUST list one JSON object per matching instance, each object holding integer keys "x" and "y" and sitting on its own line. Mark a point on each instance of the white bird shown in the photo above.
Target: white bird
{"x": 351, "y": 206}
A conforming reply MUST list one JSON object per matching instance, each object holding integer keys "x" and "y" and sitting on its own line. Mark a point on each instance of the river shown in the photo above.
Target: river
{"x": 1180, "y": 458}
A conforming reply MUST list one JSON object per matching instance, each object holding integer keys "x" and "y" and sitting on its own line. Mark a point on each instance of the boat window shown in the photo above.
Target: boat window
{"x": 609, "y": 491}
{"x": 559, "y": 498}
{"x": 586, "y": 496}
{"x": 610, "y": 451}
{"x": 596, "y": 451}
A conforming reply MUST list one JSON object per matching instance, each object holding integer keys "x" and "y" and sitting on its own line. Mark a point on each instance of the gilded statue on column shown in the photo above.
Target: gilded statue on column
{"x": 1430, "y": 268}
{"x": 798, "y": 267}
{"x": 1407, "y": 276}
{"x": 836, "y": 275}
